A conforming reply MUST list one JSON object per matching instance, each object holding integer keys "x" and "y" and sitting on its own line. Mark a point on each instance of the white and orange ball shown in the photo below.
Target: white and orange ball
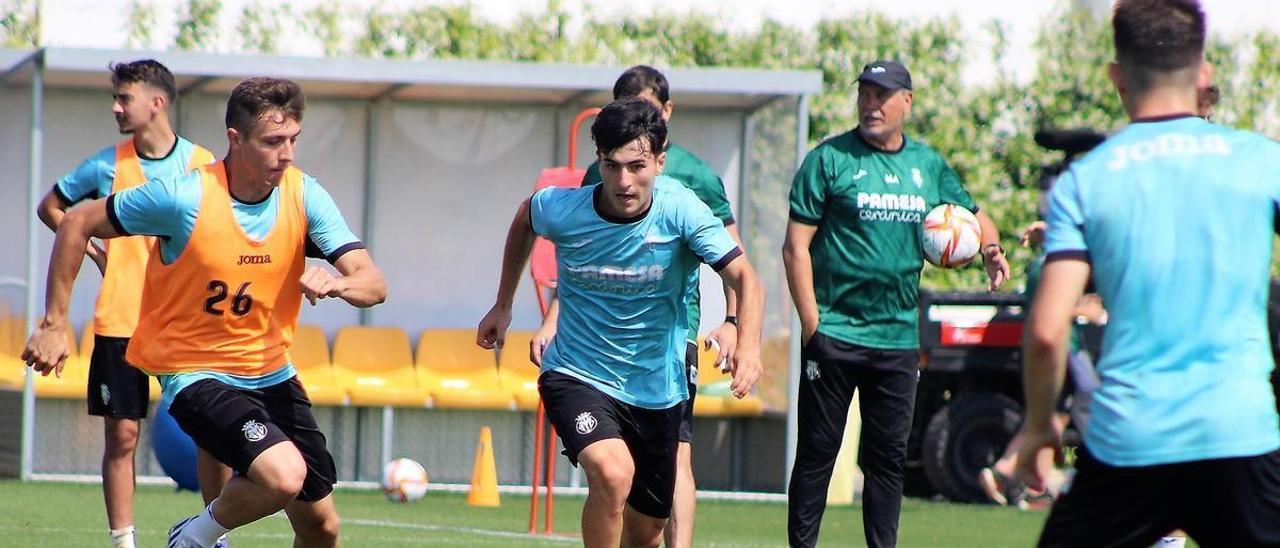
{"x": 404, "y": 480}
{"x": 951, "y": 236}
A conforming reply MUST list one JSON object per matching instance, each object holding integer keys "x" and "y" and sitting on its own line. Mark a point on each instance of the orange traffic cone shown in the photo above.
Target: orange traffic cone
{"x": 484, "y": 474}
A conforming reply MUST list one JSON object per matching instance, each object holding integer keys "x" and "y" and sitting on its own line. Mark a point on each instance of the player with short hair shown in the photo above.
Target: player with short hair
{"x": 613, "y": 379}
{"x": 682, "y": 165}
{"x": 224, "y": 285}
{"x": 142, "y": 92}
{"x": 1174, "y": 218}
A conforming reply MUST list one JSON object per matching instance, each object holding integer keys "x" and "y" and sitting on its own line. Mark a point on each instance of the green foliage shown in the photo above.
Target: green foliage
{"x": 20, "y": 23}
{"x": 984, "y": 131}
{"x": 259, "y": 27}
{"x": 142, "y": 22}
{"x": 198, "y": 25}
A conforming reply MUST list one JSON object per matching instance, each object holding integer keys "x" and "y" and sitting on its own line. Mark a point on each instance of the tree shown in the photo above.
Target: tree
{"x": 142, "y": 22}
{"x": 20, "y": 23}
{"x": 198, "y": 25}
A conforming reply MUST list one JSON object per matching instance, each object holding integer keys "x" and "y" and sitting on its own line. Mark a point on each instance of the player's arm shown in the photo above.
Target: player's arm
{"x": 74, "y": 186}
{"x": 361, "y": 283}
{"x": 1045, "y": 359}
{"x": 46, "y": 351}
{"x": 515, "y": 254}
{"x": 726, "y": 334}
{"x": 546, "y": 332}
{"x": 745, "y": 362}
{"x": 799, "y": 265}
{"x": 993, "y": 258}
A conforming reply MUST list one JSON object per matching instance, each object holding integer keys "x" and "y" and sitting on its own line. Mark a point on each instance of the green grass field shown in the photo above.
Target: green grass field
{"x": 71, "y": 515}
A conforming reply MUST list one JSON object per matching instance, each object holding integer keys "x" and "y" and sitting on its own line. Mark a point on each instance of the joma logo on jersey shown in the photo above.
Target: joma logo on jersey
{"x": 900, "y": 202}
{"x": 254, "y": 259}
{"x": 1173, "y": 144}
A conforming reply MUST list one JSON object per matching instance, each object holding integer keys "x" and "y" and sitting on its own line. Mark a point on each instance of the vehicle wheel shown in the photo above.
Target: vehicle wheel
{"x": 967, "y": 435}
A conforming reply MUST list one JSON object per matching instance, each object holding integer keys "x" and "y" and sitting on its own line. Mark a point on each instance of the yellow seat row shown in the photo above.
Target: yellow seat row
{"x": 374, "y": 366}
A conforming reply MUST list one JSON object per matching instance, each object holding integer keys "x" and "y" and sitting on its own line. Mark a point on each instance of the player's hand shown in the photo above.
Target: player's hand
{"x": 746, "y": 369}
{"x": 725, "y": 338}
{"x": 1036, "y": 458}
{"x": 46, "y": 350}
{"x": 492, "y": 331}
{"x": 318, "y": 283}
{"x": 98, "y": 255}
{"x": 540, "y": 341}
{"x": 807, "y": 333}
{"x": 996, "y": 264}
{"x": 1033, "y": 235}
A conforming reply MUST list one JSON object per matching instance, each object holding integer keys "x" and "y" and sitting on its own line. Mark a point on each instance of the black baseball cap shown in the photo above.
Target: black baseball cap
{"x": 886, "y": 74}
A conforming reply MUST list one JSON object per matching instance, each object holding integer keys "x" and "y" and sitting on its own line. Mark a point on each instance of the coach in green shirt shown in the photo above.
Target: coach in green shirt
{"x": 853, "y": 258}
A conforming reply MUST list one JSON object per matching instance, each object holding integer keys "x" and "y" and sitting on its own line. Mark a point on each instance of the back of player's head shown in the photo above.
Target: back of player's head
{"x": 257, "y": 97}
{"x": 626, "y": 120}
{"x": 1158, "y": 38}
{"x": 145, "y": 71}
{"x": 639, "y": 79}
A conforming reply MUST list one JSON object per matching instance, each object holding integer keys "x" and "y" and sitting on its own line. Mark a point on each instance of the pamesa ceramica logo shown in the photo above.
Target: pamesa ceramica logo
{"x": 891, "y": 207}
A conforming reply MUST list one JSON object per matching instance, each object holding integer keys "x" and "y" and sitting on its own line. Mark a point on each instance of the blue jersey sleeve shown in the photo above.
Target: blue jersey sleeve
{"x": 1065, "y": 218}
{"x": 705, "y": 233}
{"x": 89, "y": 180}
{"x": 328, "y": 235}
{"x": 157, "y": 208}
{"x": 542, "y": 207}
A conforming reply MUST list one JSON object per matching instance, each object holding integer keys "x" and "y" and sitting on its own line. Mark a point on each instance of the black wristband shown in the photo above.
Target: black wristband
{"x": 731, "y": 319}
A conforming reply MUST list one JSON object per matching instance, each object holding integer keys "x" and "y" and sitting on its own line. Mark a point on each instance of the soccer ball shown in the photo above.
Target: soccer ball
{"x": 404, "y": 480}
{"x": 950, "y": 235}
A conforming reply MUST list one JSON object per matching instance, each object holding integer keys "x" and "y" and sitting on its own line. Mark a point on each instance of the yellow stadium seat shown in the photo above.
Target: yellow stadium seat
{"x": 310, "y": 356}
{"x": 519, "y": 375}
{"x": 716, "y": 383}
{"x": 375, "y": 365}
{"x": 11, "y": 367}
{"x": 459, "y": 374}
{"x": 75, "y": 376}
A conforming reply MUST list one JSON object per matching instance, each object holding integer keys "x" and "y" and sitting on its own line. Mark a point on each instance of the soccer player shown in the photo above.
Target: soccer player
{"x": 651, "y": 85}
{"x": 853, "y": 258}
{"x": 1174, "y": 217}
{"x": 117, "y": 392}
{"x": 224, "y": 284}
{"x": 613, "y": 379}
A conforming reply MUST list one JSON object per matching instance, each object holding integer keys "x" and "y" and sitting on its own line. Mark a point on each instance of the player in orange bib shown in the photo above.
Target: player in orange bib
{"x": 224, "y": 285}
{"x": 117, "y": 392}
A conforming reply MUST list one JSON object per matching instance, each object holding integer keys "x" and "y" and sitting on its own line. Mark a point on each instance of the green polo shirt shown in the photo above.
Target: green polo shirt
{"x": 868, "y": 205}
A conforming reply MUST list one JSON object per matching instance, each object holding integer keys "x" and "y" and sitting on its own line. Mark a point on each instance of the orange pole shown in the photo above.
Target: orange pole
{"x": 573, "y": 132}
{"x": 551, "y": 476}
{"x": 537, "y": 469}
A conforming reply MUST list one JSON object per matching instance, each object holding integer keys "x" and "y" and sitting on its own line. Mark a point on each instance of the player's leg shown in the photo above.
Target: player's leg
{"x": 587, "y": 423}
{"x": 233, "y": 425}
{"x": 652, "y": 436}
{"x": 825, "y": 392}
{"x": 120, "y": 394}
{"x": 1236, "y": 501}
{"x": 211, "y": 474}
{"x": 609, "y": 470}
{"x": 679, "y": 530}
{"x": 1107, "y": 506}
{"x": 888, "y": 387}
{"x": 313, "y": 515}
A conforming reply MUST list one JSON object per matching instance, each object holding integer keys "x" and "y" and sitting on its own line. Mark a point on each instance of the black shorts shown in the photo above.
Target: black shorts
{"x": 583, "y": 415}
{"x": 1220, "y": 502}
{"x": 238, "y": 424}
{"x": 115, "y": 388}
{"x": 686, "y": 420}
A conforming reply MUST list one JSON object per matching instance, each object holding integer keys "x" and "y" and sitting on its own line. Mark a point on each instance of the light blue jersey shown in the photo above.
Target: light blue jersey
{"x": 93, "y": 177}
{"x": 622, "y": 284}
{"x": 1176, "y": 217}
{"x": 167, "y": 208}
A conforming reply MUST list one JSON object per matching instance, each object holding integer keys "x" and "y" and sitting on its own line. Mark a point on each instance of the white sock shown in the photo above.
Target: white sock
{"x": 123, "y": 538}
{"x": 204, "y": 530}
{"x": 1172, "y": 542}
